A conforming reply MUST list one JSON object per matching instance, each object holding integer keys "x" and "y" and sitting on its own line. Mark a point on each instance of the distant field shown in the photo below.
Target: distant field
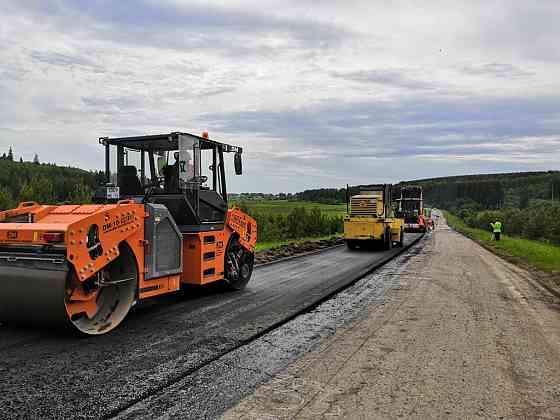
{"x": 284, "y": 206}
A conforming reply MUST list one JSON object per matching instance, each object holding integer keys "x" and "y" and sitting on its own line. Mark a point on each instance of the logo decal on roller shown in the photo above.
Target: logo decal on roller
{"x": 118, "y": 223}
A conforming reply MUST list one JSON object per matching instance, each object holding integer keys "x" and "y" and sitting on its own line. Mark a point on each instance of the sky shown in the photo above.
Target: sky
{"x": 318, "y": 93}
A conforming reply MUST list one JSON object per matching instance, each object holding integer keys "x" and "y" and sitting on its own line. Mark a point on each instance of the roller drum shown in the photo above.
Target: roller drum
{"x": 43, "y": 291}
{"x": 32, "y": 291}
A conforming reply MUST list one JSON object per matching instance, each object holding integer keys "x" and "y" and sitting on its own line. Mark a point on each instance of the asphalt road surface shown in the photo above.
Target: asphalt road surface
{"x": 48, "y": 375}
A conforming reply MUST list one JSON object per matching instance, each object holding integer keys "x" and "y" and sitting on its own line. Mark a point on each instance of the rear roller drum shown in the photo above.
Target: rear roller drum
{"x": 100, "y": 303}
{"x": 238, "y": 265}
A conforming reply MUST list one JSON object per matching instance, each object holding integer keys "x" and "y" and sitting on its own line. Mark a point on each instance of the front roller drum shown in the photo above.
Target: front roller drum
{"x": 45, "y": 292}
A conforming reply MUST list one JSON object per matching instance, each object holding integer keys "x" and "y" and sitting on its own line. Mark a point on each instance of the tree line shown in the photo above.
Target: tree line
{"x": 491, "y": 191}
{"x": 527, "y": 204}
{"x": 538, "y": 221}
{"x": 10, "y": 156}
{"x": 486, "y": 192}
{"x": 44, "y": 183}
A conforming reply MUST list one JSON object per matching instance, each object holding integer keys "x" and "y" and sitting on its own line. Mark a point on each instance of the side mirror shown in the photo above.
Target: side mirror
{"x": 238, "y": 163}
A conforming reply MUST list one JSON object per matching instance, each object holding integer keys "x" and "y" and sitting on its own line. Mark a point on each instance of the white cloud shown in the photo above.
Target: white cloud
{"x": 318, "y": 93}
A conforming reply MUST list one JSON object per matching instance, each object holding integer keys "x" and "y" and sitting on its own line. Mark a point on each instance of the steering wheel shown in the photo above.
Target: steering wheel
{"x": 157, "y": 183}
{"x": 197, "y": 180}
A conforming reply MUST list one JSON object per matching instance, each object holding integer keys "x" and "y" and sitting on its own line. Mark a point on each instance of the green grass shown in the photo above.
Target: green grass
{"x": 284, "y": 206}
{"x": 263, "y": 246}
{"x": 541, "y": 255}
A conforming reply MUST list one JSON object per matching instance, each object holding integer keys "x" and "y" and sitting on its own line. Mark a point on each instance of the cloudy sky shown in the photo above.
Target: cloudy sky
{"x": 319, "y": 93}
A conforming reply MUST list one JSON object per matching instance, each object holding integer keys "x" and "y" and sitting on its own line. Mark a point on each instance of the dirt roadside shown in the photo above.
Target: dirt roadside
{"x": 466, "y": 336}
{"x": 295, "y": 249}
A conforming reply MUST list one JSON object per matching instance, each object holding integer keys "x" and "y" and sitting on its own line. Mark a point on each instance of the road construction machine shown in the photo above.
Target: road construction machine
{"x": 411, "y": 209}
{"x": 147, "y": 234}
{"x": 370, "y": 218}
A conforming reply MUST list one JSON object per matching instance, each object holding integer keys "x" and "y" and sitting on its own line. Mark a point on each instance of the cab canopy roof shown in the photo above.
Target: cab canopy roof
{"x": 372, "y": 187}
{"x": 164, "y": 142}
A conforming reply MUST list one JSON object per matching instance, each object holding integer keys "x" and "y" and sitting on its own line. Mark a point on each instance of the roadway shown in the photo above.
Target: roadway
{"x": 48, "y": 375}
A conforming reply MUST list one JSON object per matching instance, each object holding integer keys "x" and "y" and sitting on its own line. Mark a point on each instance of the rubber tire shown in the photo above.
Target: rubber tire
{"x": 247, "y": 263}
{"x": 351, "y": 244}
{"x": 401, "y": 238}
{"x": 387, "y": 240}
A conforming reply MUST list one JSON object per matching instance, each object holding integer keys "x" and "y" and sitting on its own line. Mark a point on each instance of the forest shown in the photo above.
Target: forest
{"x": 45, "y": 183}
{"x": 496, "y": 191}
{"x": 492, "y": 191}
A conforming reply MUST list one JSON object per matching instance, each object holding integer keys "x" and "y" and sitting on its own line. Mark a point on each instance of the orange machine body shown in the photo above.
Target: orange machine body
{"x": 204, "y": 252}
{"x": 32, "y": 224}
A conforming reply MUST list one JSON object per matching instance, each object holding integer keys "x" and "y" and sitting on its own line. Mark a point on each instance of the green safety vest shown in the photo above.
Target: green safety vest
{"x": 497, "y": 227}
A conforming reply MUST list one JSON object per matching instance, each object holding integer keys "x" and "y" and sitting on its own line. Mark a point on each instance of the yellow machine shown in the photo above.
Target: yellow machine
{"x": 371, "y": 220}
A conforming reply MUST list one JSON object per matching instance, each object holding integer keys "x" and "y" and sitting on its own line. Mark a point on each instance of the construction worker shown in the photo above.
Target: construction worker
{"x": 496, "y": 229}
{"x": 171, "y": 174}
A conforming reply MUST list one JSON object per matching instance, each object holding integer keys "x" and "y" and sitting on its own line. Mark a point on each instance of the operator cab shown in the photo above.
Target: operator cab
{"x": 185, "y": 172}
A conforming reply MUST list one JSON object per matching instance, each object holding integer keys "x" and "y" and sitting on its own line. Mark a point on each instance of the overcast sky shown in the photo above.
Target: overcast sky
{"x": 319, "y": 93}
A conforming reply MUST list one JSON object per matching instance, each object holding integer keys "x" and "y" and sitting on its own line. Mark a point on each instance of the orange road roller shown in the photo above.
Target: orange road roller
{"x": 150, "y": 230}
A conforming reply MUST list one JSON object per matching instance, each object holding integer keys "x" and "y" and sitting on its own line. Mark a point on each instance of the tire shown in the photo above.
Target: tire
{"x": 401, "y": 238}
{"x": 351, "y": 244}
{"x": 238, "y": 265}
{"x": 388, "y": 240}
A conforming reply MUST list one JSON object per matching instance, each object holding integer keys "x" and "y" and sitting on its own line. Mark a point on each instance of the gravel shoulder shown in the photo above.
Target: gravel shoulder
{"x": 465, "y": 335}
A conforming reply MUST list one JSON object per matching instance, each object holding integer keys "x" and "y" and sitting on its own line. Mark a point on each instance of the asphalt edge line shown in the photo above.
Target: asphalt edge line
{"x": 114, "y": 413}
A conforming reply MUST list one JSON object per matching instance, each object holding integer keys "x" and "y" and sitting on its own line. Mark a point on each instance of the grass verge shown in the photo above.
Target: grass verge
{"x": 263, "y": 246}
{"x": 532, "y": 254}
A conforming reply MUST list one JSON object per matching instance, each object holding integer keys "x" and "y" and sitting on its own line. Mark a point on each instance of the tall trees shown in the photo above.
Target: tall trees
{"x": 24, "y": 181}
{"x": 6, "y": 200}
{"x": 81, "y": 194}
{"x": 38, "y": 189}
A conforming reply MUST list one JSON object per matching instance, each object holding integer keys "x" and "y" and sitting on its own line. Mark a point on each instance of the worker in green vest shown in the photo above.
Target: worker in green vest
{"x": 496, "y": 229}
